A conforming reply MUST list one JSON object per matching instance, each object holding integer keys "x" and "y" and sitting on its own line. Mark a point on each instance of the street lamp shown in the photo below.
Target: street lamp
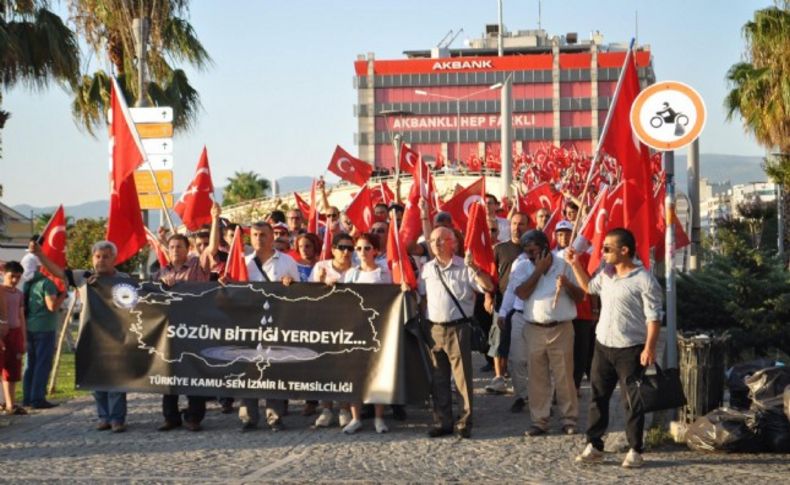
{"x": 457, "y": 100}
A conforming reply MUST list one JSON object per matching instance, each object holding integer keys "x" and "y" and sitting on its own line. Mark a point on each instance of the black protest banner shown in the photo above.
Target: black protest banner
{"x": 304, "y": 341}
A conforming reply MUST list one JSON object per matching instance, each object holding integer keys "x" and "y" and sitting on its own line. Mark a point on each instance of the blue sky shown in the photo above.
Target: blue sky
{"x": 279, "y": 95}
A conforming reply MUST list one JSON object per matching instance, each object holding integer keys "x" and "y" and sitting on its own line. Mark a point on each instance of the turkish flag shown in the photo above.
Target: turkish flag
{"x": 326, "y": 244}
{"x": 423, "y": 187}
{"x": 381, "y": 193}
{"x": 302, "y": 205}
{"x": 543, "y": 196}
{"x": 634, "y": 158}
{"x": 659, "y": 233}
{"x": 125, "y": 140}
{"x": 408, "y": 160}
{"x": 312, "y": 214}
{"x": 461, "y": 203}
{"x": 349, "y": 168}
{"x": 589, "y": 226}
{"x": 478, "y": 241}
{"x": 360, "y": 210}
{"x": 53, "y": 239}
{"x": 194, "y": 206}
{"x": 156, "y": 245}
{"x": 397, "y": 259}
{"x": 125, "y": 225}
{"x": 550, "y": 225}
{"x": 236, "y": 267}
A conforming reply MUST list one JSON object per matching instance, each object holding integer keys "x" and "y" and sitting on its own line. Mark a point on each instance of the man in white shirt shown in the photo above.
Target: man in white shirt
{"x": 266, "y": 264}
{"x": 450, "y": 332}
{"x": 543, "y": 332}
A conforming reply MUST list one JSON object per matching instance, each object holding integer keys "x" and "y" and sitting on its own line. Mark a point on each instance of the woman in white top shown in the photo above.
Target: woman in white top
{"x": 331, "y": 271}
{"x": 368, "y": 271}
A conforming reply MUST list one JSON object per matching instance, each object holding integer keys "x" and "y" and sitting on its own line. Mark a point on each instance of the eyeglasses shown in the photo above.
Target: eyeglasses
{"x": 344, "y": 247}
{"x": 379, "y": 231}
{"x": 364, "y": 248}
{"x": 332, "y": 215}
{"x": 608, "y": 249}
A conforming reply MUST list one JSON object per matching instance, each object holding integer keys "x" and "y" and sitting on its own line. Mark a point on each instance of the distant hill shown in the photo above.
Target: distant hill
{"x": 715, "y": 167}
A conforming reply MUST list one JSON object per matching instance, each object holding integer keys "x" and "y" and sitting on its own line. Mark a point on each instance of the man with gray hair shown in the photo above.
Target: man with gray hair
{"x": 111, "y": 405}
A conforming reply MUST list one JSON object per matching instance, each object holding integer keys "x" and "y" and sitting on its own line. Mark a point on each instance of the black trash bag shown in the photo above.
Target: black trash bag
{"x": 724, "y": 430}
{"x": 773, "y": 429}
{"x": 739, "y": 392}
{"x": 766, "y": 388}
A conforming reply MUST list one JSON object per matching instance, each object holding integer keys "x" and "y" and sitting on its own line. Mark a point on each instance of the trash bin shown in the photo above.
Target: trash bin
{"x": 701, "y": 359}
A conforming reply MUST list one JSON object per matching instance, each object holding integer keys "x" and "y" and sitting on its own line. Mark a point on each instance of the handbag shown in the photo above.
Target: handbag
{"x": 662, "y": 390}
{"x": 479, "y": 339}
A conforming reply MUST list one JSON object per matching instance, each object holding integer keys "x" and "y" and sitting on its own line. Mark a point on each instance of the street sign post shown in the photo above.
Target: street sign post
{"x": 667, "y": 116}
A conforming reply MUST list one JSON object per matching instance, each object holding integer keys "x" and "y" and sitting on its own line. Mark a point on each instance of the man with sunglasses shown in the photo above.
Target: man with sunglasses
{"x": 503, "y": 225}
{"x": 625, "y": 338}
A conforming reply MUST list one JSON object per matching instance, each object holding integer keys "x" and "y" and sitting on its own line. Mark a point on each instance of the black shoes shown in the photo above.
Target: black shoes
{"x": 169, "y": 425}
{"x": 518, "y": 405}
{"x": 437, "y": 432}
{"x": 45, "y": 405}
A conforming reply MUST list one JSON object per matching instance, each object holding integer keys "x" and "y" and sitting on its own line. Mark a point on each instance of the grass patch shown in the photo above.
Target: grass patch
{"x": 64, "y": 383}
{"x": 657, "y": 437}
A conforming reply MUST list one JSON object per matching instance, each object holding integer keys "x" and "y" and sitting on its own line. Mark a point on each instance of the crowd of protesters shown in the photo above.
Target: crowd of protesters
{"x": 541, "y": 314}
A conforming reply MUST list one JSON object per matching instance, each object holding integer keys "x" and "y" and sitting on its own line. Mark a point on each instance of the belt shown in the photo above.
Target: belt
{"x": 546, "y": 324}
{"x": 451, "y": 323}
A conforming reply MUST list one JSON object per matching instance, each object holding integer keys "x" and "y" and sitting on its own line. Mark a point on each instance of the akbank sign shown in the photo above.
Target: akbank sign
{"x": 458, "y": 65}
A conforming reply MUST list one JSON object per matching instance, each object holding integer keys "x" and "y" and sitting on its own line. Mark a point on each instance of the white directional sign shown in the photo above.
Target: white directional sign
{"x": 668, "y": 115}
{"x": 158, "y": 146}
{"x": 163, "y": 114}
{"x": 158, "y": 162}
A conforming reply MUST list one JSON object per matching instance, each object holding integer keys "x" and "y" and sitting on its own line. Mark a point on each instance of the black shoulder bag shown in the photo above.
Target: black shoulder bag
{"x": 479, "y": 339}
{"x": 648, "y": 393}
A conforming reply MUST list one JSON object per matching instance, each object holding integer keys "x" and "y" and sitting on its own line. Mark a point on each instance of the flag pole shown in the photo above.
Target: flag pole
{"x": 601, "y": 137}
{"x": 136, "y": 136}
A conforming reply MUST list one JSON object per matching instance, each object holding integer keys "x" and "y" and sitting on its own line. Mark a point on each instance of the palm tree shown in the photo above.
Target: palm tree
{"x": 244, "y": 186}
{"x": 36, "y": 47}
{"x": 106, "y": 26}
{"x": 760, "y": 91}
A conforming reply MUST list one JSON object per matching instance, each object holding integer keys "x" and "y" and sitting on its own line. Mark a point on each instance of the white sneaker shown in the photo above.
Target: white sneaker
{"x": 352, "y": 427}
{"x": 633, "y": 460}
{"x": 590, "y": 455}
{"x": 381, "y": 426}
{"x": 325, "y": 419}
{"x": 344, "y": 417}
{"x": 498, "y": 385}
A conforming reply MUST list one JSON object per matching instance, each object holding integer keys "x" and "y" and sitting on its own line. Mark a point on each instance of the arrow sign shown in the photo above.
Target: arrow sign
{"x": 158, "y": 162}
{"x": 158, "y": 146}
{"x": 160, "y": 114}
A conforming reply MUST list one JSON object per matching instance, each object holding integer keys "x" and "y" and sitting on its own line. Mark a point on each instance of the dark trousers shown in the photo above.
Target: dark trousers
{"x": 610, "y": 366}
{"x": 196, "y": 408}
{"x": 583, "y": 338}
{"x": 40, "y": 352}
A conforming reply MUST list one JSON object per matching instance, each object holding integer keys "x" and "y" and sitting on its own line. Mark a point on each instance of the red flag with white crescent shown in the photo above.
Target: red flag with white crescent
{"x": 159, "y": 249}
{"x": 478, "y": 240}
{"x": 53, "y": 239}
{"x": 194, "y": 206}
{"x": 349, "y": 168}
{"x": 236, "y": 267}
{"x": 360, "y": 210}
{"x": 543, "y": 196}
{"x": 461, "y": 203}
{"x": 409, "y": 160}
{"x": 398, "y": 259}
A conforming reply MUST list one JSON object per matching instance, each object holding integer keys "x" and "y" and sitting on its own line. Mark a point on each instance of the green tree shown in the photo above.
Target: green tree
{"x": 36, "y": 47}
{"x": 244, "y": 186}
{"x": 760, "y": 90}
{"x": 106, "y": 26}
{"x": 83, "y": 234}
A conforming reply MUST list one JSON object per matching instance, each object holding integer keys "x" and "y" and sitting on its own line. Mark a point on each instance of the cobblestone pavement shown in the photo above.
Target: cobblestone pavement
{"x": 60, "y": 445}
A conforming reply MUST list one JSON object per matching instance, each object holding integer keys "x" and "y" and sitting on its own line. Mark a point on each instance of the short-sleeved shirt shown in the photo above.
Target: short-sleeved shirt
{"x": 358, "y": 275}
{"x": 304, "y": 272}
{"x": 627, "y": 303}
{"x": 504, "y": 255}
{"x": 14, "y": 300}
{"x": 539, "y": 306}
{"x": 39, "y": 318}
{"x": 276, "y": 267}
{"x": 191, "y": 270}
{"x": 461, "y": 281}
{"x": 332, "y": 275}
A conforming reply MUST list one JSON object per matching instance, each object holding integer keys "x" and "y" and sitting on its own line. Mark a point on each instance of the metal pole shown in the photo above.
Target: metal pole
{"x": 396, "y": 141}
{"x": 780, "y": 223}
{"x": 692, "y": 169}
{"x": 506, "y": 143}
{"x": 458, "y": 131}
{"x": 669, "y": 263}
{"x": 141, "y": 28}
{"x": 500, "y": 47}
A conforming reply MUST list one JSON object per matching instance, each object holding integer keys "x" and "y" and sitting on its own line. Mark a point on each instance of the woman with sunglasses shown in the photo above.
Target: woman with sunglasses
{"x": 368, "y": 271}
{"x": 331, "y": 271}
